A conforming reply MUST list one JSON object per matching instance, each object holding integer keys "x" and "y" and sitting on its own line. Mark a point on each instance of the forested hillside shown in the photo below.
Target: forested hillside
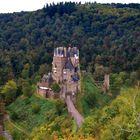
{"x": 107, "y": 35}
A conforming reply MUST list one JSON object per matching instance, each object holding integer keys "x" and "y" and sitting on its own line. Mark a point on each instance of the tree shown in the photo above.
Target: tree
{"x": 25, "y": 71}
{"x": 106, "y": 135}
{"x": 133, "y": 77}
{"x": 90, "y": 126}
{"x": 35, "y": 108}
{"x": 44, "y": 69}
{"x": 2, "y": 111}
{"x": 9, "y": 91}
{"x": 59, "y": 107}
{"x": 27, "y": 89}
{"x": 116, "y": 83}
{"x": 2, "y": 108}
{"x": 55, "y": 87}
{"x": 99, "y": 72}
{"x": 90, "y": 99}
{"x": 98, "y": 59}
{"x": 123, "y": 75}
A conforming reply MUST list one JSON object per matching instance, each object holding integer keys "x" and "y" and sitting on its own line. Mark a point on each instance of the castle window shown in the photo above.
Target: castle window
{"x": 75, "y": 69}
{"x": 64, "y": 72}
{"x": 55, "y": 67}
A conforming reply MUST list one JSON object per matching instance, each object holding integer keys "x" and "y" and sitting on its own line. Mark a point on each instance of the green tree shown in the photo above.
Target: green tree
{"x": 27, "y": 89}
{"x": 55, "y": 87}
{"x": 133, "y": 77}
{"x": 123, "y": 75}
{"x": 99, "y": 72}
{"x": 106, "y": 135}
{"x": 9, "y": 91}
{"x": 25, "y": 71}
{"x": 59, "y": 107}
{"x": 117, "y": 82}
{"x": 90, "y": 126}
{"x": 44, "y": 69}
{"x": 35, "y": 108}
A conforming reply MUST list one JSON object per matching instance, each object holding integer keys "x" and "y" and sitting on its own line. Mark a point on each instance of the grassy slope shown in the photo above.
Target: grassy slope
{"x": 108, "y": 118}
{"x": 14, "y": 132}
{"x": 113, "y": 118}
{"x": 119, "y": 119}
{"x": 90, "y": 90}
{"x": 26, "y": 118}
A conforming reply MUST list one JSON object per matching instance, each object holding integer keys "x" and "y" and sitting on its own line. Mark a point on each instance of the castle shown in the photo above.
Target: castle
{"x": 65, "y": 71}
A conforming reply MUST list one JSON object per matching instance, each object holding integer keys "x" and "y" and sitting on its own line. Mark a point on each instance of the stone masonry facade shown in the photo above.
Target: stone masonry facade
{"x": 65, "y": 71}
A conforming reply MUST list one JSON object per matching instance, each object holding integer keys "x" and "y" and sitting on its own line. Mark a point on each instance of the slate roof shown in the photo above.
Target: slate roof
{"x": 45, "y": 77}
{"x": 69, "y": 65}
{"x": 73, "y": 51}
{"x": 75, "y": 77}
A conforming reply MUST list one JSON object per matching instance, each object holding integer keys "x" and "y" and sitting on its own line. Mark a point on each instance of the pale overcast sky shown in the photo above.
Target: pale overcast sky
{"x": 31, "y": 5}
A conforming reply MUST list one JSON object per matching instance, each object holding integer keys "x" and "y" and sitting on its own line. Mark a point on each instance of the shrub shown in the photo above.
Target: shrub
{"x": 27, "y": 89}
{"x": 128, "y": 82}
{"x": 59, "y": 107}
{"x": 90, "y": 99}
{"x": 90, "y": 126}
{"x": 27, "y": 102}
{"x": 1, "y": 137}
{"x": 55, "y": 87}
{"x": 14, "y": 116}
{"x": 106, "y": 135}
{"x": 35, "y": 108}
{"x": 133, "y": 77}
{"x": 16, "y": 135}
{"x": 9, "y": 91}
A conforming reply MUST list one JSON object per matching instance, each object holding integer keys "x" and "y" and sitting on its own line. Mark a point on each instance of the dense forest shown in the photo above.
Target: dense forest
{"x": 108, "y": 37}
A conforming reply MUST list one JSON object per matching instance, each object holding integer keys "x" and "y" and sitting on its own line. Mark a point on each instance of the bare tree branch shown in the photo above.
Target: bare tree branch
{"x": 124, "y": 129}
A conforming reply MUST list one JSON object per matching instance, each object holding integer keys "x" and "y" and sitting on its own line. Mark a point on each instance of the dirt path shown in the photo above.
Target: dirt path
{"x": 73, "y": 111}
{"x": 20, "y": 129}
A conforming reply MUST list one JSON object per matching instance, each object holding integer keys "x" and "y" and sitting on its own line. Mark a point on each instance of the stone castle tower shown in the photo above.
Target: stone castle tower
{"x": 65, "y": 69}
{"x": 59, "y": 60}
